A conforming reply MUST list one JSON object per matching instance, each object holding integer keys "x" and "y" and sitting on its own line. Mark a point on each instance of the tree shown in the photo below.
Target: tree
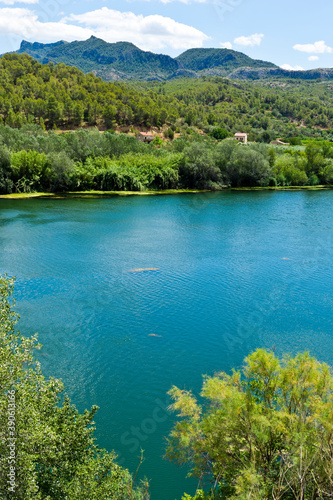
{"x": 109, "y": 115}
{"x": 326, "y": 174}
{"x": 293, "y": 174}
{"x": 199, "y": 170}
{"x": 262, "y": 433}
{"x": 47, "y": 449}
{"x": 29, "y": 170}
{"x": 248, "y": 167}
{"x": 219, "y": 133}
{"x": 53, "y": 111}
{"x": 78, "y": 114}
{"x": 6, "y": 183}
{"x": 315, "y": 159}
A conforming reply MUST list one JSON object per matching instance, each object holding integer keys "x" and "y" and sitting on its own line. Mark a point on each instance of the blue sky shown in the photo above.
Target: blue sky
{"x": 291, "y": 33}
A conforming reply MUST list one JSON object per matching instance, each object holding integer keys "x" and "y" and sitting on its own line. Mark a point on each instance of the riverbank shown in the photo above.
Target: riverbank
{"x": 284, "y": 188}
{"x": 97, "y": 194}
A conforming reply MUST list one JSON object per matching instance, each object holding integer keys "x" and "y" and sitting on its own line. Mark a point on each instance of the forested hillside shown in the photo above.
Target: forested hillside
{"x": 60, "y": 96}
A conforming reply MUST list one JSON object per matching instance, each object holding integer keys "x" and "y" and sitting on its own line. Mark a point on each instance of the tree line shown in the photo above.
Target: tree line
{"x": 32, "y": 159}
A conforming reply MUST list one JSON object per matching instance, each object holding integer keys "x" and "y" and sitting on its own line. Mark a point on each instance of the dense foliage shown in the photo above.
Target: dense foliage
{"x": 263, "y": 433}
{"x": 63, "y": 97}
{"x": 34, "y": 160}
{"x": 47, "y": 449}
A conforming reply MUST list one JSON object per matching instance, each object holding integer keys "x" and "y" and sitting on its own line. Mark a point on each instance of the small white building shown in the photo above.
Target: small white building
{"x": 241, "y": 137}
{"x": 145, "y": 137}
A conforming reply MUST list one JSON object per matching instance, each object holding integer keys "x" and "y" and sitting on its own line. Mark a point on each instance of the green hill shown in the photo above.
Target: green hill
{"x": 110, "y": 61}
{"x": 225, "y": 60}
{"x": 60, "y": 96}
{"x": 125, "y": 61}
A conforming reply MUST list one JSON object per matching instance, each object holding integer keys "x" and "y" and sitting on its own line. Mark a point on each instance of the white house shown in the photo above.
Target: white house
{"x": 241, "y": 137}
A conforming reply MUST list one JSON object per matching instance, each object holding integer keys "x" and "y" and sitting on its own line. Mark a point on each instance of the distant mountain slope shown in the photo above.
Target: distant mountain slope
{"x": 111, "y": 61}
{"x": 226, "y": 59}
{"x": 279, "y": 73}
{"x": 124, "y": 61}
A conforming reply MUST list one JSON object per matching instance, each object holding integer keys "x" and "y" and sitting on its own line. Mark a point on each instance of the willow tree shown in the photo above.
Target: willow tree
{"x": 264, "y": 432}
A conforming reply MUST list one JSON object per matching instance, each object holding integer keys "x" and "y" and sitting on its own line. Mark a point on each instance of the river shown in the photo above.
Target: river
{"x": 133, "y": 295}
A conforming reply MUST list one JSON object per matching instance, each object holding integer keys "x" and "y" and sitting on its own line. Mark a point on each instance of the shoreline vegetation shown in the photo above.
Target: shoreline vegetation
{"x": 110, "y": 194}
{"x": 35, "y": 161}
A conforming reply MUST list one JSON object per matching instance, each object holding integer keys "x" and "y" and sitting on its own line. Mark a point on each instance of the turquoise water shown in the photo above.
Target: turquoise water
{"x": 233, "y": 271}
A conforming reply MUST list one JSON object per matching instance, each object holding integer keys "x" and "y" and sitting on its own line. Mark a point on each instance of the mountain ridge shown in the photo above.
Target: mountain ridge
{"x": 124, "y": 61}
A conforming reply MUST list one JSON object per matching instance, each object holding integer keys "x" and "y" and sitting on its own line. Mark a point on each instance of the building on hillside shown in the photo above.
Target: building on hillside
{"x": 280, "y": 143}
{"x": 145, "y": 137}
{"x": 241, "y": 137}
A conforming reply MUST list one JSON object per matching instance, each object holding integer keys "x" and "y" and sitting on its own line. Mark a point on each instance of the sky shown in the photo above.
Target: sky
{"x": 290, "y": 33}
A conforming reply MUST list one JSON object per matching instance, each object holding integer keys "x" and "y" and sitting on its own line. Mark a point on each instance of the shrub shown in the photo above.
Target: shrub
{"x": 264, "y": 432}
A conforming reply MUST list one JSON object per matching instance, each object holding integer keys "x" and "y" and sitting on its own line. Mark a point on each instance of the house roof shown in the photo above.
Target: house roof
{"x": 146, "y": 134}
{"x": 240, "y": 135}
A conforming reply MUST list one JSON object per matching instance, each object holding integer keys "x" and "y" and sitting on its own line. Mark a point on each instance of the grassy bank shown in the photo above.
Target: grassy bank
{"x": 98, "y": 194}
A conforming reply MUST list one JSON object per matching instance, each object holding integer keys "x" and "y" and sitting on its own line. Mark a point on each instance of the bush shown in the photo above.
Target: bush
{"x": 29, "y": 170}
{"x": 326, "y": 173}
{"x": 294, "y": 141}
{"x": 313, "y": 180}
{"x": 199, "y": 170}
{"x": 219, "y": 133}
{"x": 61, "y": 170}
{"x": 265, "y": 432}
{"x": 285, "y": 165}
{"x": 169, "y": 134}
{"x": 6, "y": 183}
{"x": 248, "y": 167}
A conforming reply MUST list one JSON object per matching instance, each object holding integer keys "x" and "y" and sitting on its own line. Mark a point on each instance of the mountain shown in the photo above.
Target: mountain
{"x": 110, "y": 61}
{"x": 224, "y": 60}
{"x": 124, "y": 61}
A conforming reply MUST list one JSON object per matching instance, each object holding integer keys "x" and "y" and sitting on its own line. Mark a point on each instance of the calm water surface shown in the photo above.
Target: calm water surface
{"x": 234, "y": 271}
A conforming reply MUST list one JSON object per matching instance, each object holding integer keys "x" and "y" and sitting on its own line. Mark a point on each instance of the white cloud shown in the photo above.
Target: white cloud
{"x": 314, "y": 48}
{"x": 24, "y": 23}
{"x": 148, "y": 32}
{"x": 249, "y": 41}
{"x": 226, "y": 45}
{"x": 313, "y": 58}
{"x": 292, "y": 68}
